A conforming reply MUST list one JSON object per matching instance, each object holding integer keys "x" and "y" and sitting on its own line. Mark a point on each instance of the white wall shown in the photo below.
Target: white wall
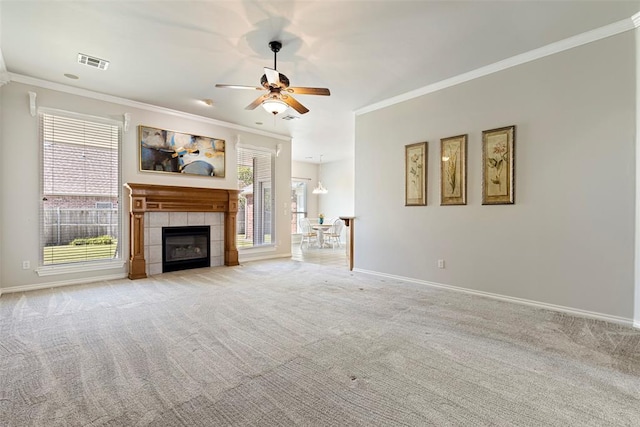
{"x": 2, "y": 181}
{"x": 19, "y": 224}
{"x": 569, "y": 238}
{"x": 636, "y": 317}
{"x": 337, "y": 177}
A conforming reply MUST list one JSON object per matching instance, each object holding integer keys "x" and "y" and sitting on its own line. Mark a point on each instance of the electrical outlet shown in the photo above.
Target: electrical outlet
{"x": 26, "y": 265}
{"x": 440, "y": 263}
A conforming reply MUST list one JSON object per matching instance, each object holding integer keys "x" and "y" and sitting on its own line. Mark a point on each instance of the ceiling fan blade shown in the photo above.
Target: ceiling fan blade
{"x": 273, "y": 76}
{"x": 240, "y": 87}
{"x": 257, "y": 102}
{"x": 291, "y": 102}
{"x": 309, "y": 90}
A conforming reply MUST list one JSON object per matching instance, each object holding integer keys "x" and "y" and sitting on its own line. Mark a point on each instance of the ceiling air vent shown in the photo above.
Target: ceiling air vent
{"x": 290, "y": 117}
{"x": 93, "y": 62}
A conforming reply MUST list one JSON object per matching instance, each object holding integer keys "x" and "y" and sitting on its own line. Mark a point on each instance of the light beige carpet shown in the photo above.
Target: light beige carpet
{"x": 281, "y": 343}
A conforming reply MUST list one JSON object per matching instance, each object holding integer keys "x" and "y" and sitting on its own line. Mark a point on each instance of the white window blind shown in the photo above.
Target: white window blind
{"x": 80, "y": 181}
{"x": 256, "y": 200}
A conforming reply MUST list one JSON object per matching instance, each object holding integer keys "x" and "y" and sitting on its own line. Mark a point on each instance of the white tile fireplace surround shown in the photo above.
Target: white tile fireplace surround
{"x": 154, "y": 221}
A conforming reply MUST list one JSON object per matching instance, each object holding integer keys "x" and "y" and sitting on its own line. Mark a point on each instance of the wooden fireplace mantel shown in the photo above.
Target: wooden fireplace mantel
{"x": 164, "y": 198}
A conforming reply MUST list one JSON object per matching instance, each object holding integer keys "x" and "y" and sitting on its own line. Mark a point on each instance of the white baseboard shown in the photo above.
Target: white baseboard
{"x": 537, "y": 304}
{"x": 263, "y": 257}
{"x": 79, "y": 267}
{"x": 48, "y": 285}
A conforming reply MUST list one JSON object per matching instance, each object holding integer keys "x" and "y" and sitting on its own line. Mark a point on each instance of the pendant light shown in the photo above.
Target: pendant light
{"x": 320, "y": 189}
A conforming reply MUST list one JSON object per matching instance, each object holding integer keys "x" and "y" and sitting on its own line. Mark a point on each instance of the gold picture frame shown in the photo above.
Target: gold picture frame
{"x": 415, "y": 160}
{"x": 498, "y": 166}
{"x": 453, "y": 170}
{"x": 169, "y": 151}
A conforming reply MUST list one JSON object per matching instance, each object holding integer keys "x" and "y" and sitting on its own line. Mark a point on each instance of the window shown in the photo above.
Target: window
{"x": 298, "y": 204}
{"x": 80, "y": 216}
{"x": 256, "y": 198}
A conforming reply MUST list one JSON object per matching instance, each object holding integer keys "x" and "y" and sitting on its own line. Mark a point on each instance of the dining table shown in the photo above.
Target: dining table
{"x": 321, "y": 229}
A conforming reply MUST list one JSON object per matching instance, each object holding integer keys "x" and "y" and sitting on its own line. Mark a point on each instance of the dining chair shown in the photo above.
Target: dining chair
{"x": 334, "y": 233}
{"x": 308, "y": 233}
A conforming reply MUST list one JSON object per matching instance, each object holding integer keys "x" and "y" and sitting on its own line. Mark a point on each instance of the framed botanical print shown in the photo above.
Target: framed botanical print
{"x": 415, "y": 159}
{"x": 497, "y": 166}
{"x": 453, "y": 170}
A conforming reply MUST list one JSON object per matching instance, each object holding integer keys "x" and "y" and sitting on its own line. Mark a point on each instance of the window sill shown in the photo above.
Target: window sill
{"x": 78, "y": 268}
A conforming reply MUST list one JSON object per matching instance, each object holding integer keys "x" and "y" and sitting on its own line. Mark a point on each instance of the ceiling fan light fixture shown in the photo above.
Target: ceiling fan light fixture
{"x": 274, "y": 106}
{"x": 277, "y": 85}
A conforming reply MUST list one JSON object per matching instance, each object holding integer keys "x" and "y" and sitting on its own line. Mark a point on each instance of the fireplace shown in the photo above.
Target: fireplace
{"x": 147, "y": 201}
{"x": 185, "y": 247}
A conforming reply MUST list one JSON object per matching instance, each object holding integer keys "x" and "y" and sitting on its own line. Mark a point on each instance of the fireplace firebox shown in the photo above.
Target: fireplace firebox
{"x": 185, "y": 247}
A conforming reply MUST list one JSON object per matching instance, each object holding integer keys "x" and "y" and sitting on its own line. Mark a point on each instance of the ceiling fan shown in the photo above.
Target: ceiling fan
{"x": 278, "y": 98}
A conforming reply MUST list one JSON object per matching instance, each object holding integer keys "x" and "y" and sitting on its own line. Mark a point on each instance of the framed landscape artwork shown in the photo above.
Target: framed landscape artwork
{"x": 415, "y": 159}
{"x": 497, "y": 166}
{"x": 174, "y": 152}
{"x": 453, "y": 170}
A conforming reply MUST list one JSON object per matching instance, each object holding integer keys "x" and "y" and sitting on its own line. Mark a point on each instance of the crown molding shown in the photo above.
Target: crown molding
{"x": 45, "y": 84}
{"x": 550, "y": 49}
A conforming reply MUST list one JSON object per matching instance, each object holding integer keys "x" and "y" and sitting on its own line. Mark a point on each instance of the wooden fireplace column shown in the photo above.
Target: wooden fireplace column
{"x": 164, "y": 198}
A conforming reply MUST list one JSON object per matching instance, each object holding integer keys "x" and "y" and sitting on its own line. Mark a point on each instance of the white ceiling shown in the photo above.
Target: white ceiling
{"x": 172, "y": 53}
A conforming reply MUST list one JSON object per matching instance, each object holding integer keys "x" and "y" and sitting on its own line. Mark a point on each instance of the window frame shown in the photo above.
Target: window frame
{"x": 272, "y": 187}
{"x": 118, "y": 260}
{"x": 305, "y": 198}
